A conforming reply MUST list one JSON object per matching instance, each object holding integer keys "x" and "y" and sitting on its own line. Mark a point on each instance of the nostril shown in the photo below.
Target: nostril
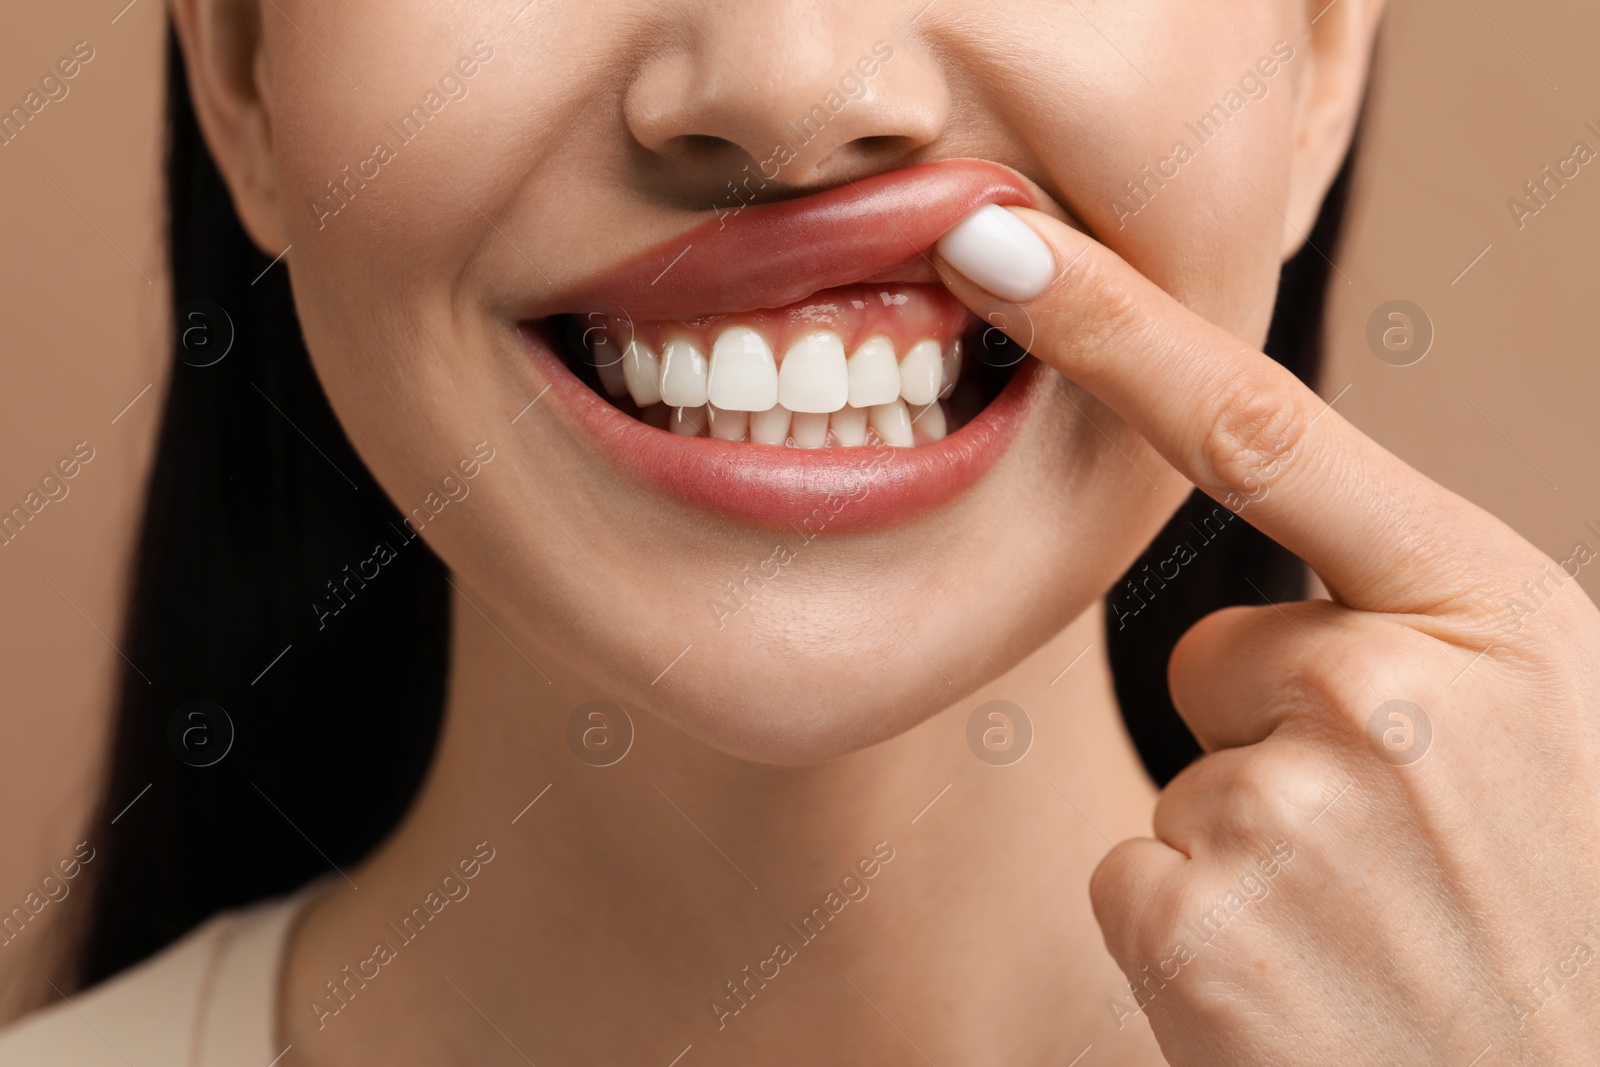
{"x": 882, "y": 145}
{"x": 698, "y": 146}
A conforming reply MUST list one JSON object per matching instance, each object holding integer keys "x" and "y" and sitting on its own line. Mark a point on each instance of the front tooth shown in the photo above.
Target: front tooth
{"x": 849, "y": 425}
{"x": 892, "y": 422}
{"x": 921, "y": 373}
{"x": 688, "y": 422}
{"x": 642, "y": 370}
{"x": 744, "y": 376}
{"x": 683, "y": 374}
{"x": 809, "y": 429}
{"x": 874, "y": 373}
{"x": 728, "y": 425}
{"x": 770, "y": 427}
{"x": 814, "y": 376}
{"x": 952, "y": 368}
{"x": 931, "y": 421}
{"x": 607, "y": 359}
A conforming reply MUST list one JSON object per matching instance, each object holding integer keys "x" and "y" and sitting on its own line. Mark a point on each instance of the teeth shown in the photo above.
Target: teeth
{"x": 770, "y": 427}
{"x": 849, "y": 425}
{"x": 809, "y": 429}
{"x": 814, "y": 377}
{"x": 892, "y": 422}
{"x": 642, "y": 372}
{"x": 608, "y": 361}
{"x": 688, "y": 422}
{"x": 813, "y": 400}
{"x": 729, "y": 425}
{"x": 743, "y": 376}
{"x": 874, "y": 373}
{"x": 921, "y": 373}
{"x": 930, "y": 420}
{"x": 683, "y": 374}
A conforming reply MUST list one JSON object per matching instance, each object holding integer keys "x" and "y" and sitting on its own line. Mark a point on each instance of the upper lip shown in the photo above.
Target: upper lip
{"x": 771, "y": 255}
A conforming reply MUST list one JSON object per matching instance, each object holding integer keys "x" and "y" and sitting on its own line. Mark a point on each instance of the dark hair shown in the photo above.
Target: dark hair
{"x": 257, "y": 501}
{"x": 1229, "y": 561}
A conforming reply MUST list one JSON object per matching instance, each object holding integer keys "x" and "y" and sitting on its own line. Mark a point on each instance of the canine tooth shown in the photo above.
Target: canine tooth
{"x": 642, "y": 371}
{"x": 849, "y": 425}
{"x": 814, "y": 376}
{"x": 930, "y": 420}
{"x": 728, "y": 425}
{"x": 921, "y": 373}
{"x": 809, "y": 429}
{"x": 683, "y": 374}
{"x": 892, "y": 422}
{"x": 770, "y": 427}
{"x": 874, "y": 373}
{"x": 743, "y": 376}
{"x": 607, "y": 359}
{"x": 688, "y": 422}
{"x": 952, "y": 368}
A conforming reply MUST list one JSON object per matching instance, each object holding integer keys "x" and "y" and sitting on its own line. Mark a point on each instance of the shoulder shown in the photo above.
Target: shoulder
{"x": 208, "y": 999}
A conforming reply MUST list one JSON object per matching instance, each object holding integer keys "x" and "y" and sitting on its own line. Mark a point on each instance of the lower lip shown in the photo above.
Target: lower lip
{"x": 832, "y": 489}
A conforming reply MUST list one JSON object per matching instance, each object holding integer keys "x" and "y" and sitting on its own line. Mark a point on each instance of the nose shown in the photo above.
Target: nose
{"x": 797, "y": 94}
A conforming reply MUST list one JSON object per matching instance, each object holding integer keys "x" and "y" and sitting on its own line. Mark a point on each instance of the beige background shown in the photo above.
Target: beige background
{"x": 1465, "y": 113}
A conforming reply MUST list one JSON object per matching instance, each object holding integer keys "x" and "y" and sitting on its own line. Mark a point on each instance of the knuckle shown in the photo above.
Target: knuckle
{"x": 1159, "y": 922}
{"x": 1256, "y": 421}
{"x": 1332, "y": 677}
{"x": 1270, "y": 791}
{"x": 1339, "y": 687}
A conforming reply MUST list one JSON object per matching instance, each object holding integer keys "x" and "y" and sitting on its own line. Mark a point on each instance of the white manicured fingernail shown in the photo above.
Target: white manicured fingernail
{"x": 1000, "y": 252}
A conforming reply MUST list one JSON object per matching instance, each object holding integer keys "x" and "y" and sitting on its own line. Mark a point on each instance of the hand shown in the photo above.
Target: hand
{"x": 1390, "y": 853}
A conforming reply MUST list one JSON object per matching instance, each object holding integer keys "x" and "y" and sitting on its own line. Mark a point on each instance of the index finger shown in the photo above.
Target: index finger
{"x": 1238, "y": 424}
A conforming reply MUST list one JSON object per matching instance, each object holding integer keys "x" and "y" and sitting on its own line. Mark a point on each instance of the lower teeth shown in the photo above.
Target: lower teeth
{"x": 896, "y": 424}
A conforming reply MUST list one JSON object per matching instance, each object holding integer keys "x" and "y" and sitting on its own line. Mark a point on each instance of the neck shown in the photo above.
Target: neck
{"x": 728, "y": 905}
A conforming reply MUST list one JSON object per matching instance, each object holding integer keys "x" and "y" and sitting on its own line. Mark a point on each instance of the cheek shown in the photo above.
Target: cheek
{"x": 1185, "y": 177}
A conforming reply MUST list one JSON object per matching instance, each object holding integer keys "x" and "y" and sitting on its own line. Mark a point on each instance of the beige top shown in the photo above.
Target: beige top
{"x": 209, "y": 1000}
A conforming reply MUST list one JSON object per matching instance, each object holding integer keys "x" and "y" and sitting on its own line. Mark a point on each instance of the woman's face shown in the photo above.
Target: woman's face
{"x": 477, "y": 193}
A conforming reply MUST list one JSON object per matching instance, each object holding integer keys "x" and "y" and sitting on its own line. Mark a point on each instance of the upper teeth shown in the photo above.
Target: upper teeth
{"x": 743, "y": 373}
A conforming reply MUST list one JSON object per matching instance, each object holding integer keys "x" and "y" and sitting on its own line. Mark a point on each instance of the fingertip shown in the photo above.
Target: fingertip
{"x": 998, "y": 251}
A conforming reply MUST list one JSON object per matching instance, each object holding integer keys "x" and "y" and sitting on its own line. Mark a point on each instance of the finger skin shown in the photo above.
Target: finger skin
{"x": 1250, "y": 434}
{"x": 1136, "y": 876}
{"x": 1312, "y": 668}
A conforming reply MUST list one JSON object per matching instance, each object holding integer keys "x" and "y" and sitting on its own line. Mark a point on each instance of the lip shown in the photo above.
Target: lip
{"x": 771, "y": 255}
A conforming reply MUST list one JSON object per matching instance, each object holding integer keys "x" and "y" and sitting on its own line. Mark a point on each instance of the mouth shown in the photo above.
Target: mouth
{"x": 796, "y": 363}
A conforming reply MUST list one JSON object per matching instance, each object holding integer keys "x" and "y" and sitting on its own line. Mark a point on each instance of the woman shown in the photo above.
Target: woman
{"x": 672, "y": 353}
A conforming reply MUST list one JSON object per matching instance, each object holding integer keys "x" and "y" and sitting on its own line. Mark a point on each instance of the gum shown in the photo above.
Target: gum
{"x": 903, "y": 312}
